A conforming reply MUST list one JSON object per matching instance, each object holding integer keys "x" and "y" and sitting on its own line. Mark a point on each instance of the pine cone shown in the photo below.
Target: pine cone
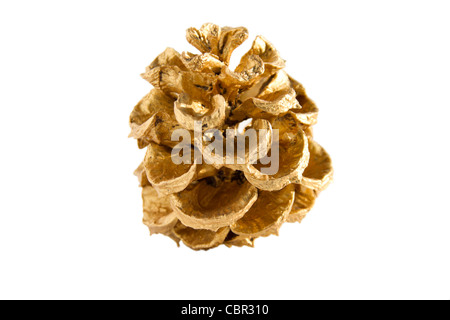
{"x": 206, "y": 205}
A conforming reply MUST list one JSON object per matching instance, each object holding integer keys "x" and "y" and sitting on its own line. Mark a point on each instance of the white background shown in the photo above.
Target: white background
{"x": 70, "y": 208}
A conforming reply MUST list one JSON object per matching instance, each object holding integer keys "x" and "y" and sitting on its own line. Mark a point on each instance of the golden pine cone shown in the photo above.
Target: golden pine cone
{"x": 206, "y": 205}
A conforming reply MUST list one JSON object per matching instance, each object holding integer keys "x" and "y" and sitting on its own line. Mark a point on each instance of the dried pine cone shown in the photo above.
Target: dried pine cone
{"x": 206, "y": 205}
